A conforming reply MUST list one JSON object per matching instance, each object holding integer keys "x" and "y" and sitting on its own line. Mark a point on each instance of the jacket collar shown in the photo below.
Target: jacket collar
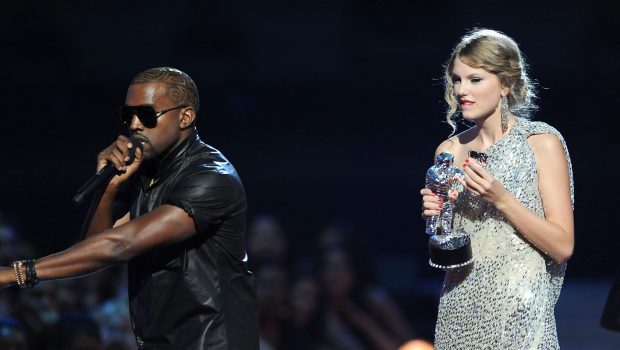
{"x": 169, "y": 163}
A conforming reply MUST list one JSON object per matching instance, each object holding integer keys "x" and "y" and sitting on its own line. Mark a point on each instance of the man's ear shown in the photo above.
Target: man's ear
{"x": 188, "y": 117}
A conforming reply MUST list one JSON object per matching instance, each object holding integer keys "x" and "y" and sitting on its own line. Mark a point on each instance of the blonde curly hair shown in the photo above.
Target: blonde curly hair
{"x": 499, "y": 54}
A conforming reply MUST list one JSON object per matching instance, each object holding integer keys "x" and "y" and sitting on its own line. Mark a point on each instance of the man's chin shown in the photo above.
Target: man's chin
{"x": 149, "y": 155}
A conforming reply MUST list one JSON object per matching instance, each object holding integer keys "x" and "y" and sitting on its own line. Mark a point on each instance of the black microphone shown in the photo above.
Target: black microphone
{"x": 103, "y": 175}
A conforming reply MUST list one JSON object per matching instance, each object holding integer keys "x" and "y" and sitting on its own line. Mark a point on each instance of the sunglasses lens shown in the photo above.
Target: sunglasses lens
{"x": 146, "y": 114}
{"x": 125, "y": 114}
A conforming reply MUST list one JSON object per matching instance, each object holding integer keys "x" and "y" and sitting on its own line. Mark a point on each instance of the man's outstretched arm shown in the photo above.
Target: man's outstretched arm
{"x": 163, "y": 226}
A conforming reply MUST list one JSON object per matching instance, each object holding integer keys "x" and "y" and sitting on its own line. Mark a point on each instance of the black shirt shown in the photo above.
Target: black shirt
{"x": 196, "y": 294}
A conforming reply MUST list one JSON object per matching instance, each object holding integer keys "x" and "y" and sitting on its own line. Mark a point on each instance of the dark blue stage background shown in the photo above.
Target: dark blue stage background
{"x": 330, "y": 110}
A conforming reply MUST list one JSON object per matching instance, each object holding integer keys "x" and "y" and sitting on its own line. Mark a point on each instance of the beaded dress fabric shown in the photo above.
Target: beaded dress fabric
{"x": 506, "y": 298}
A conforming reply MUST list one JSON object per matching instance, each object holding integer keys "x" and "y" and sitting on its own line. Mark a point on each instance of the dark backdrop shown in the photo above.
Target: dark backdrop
{"x": 329, "y": 109}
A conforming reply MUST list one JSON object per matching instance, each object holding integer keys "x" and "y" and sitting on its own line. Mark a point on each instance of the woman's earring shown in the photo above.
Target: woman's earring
{"x": 505, "y": 113}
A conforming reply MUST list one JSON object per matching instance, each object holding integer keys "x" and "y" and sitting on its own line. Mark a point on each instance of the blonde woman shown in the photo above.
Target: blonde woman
{"x": 517, "y": 204}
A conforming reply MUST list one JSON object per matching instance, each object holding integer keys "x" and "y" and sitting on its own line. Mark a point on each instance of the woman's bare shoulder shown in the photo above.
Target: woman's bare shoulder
{"x": 455, "y": 143}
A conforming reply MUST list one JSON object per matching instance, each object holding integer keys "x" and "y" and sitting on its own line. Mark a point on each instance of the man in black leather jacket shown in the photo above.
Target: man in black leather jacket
{"x": 177, "y": 215}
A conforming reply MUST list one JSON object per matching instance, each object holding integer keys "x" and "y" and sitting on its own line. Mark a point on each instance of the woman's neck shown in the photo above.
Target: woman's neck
{"x": 489, "y": 131}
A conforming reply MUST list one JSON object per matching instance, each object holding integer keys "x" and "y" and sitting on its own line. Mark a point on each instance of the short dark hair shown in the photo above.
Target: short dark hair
{"x": 181, "y": 88}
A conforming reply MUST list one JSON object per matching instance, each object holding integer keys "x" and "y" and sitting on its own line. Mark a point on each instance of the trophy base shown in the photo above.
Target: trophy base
{"x": 449, "y": 252}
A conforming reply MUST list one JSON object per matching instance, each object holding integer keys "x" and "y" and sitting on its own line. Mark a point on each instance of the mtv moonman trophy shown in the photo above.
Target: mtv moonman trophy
{"x": 447, "y": 249}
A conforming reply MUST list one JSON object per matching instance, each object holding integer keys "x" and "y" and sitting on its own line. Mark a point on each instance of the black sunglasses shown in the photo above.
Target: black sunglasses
{"x": 147, "y": 114}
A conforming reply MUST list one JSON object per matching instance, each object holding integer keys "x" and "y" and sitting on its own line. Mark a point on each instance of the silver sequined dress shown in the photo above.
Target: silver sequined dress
{"x": 505, "y": 299}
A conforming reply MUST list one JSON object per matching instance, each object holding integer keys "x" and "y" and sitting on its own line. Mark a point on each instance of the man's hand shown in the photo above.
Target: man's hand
{"x": 118, "y": 154}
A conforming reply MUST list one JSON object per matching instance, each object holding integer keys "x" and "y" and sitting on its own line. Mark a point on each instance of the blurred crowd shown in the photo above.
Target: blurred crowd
{"x": 327, "y": 299}
{"x": 89, "y": 313}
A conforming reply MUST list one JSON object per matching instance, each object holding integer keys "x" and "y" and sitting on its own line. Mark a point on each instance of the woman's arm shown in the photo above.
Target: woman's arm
{"x": 553, "y": 234}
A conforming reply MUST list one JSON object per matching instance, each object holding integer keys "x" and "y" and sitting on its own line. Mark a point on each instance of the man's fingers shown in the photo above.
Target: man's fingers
{"x": 117, "y": 154}
{"x": 138, "y": 154}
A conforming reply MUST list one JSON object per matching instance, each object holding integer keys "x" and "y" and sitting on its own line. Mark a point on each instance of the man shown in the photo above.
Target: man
{"x": 177, "y": 215}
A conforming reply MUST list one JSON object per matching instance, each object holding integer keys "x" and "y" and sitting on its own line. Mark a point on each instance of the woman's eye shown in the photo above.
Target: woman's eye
{"x": 476, "y": 80}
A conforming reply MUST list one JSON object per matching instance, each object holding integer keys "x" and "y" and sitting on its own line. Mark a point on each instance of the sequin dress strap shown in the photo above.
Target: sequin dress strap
{"x": 529, "y": 128}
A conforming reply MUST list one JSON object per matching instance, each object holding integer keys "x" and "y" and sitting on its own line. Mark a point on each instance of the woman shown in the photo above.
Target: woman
{"x": 517, "y": 204}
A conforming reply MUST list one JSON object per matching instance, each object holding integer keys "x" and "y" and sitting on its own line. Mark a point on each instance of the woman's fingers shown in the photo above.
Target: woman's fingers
{"x": 469, "y": 183}
{"x": 431, "y": 203}
{"x": 426, "y": 191}
{"x": 480, "y": 182}
{"x": 476, "y": 168}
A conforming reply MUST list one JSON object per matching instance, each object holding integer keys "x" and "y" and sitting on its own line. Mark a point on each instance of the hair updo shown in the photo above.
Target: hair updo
{"x": 499, "y": 54}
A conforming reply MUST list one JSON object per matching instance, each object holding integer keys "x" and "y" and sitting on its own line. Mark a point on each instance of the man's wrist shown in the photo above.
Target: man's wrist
{"x": 7, "y": 277}
{"x": 111, "y": 190}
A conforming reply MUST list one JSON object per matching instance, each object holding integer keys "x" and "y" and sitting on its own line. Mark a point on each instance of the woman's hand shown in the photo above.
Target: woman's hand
{"x": 481, "y": 183}
{"x": 431, "y": 203}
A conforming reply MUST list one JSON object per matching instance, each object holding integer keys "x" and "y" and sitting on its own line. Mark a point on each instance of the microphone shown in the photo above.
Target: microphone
{"x": 103, "y": 175}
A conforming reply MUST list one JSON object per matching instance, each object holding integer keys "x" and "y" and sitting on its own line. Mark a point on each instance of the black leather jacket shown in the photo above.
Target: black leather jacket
{"x": 196, "y": 294}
